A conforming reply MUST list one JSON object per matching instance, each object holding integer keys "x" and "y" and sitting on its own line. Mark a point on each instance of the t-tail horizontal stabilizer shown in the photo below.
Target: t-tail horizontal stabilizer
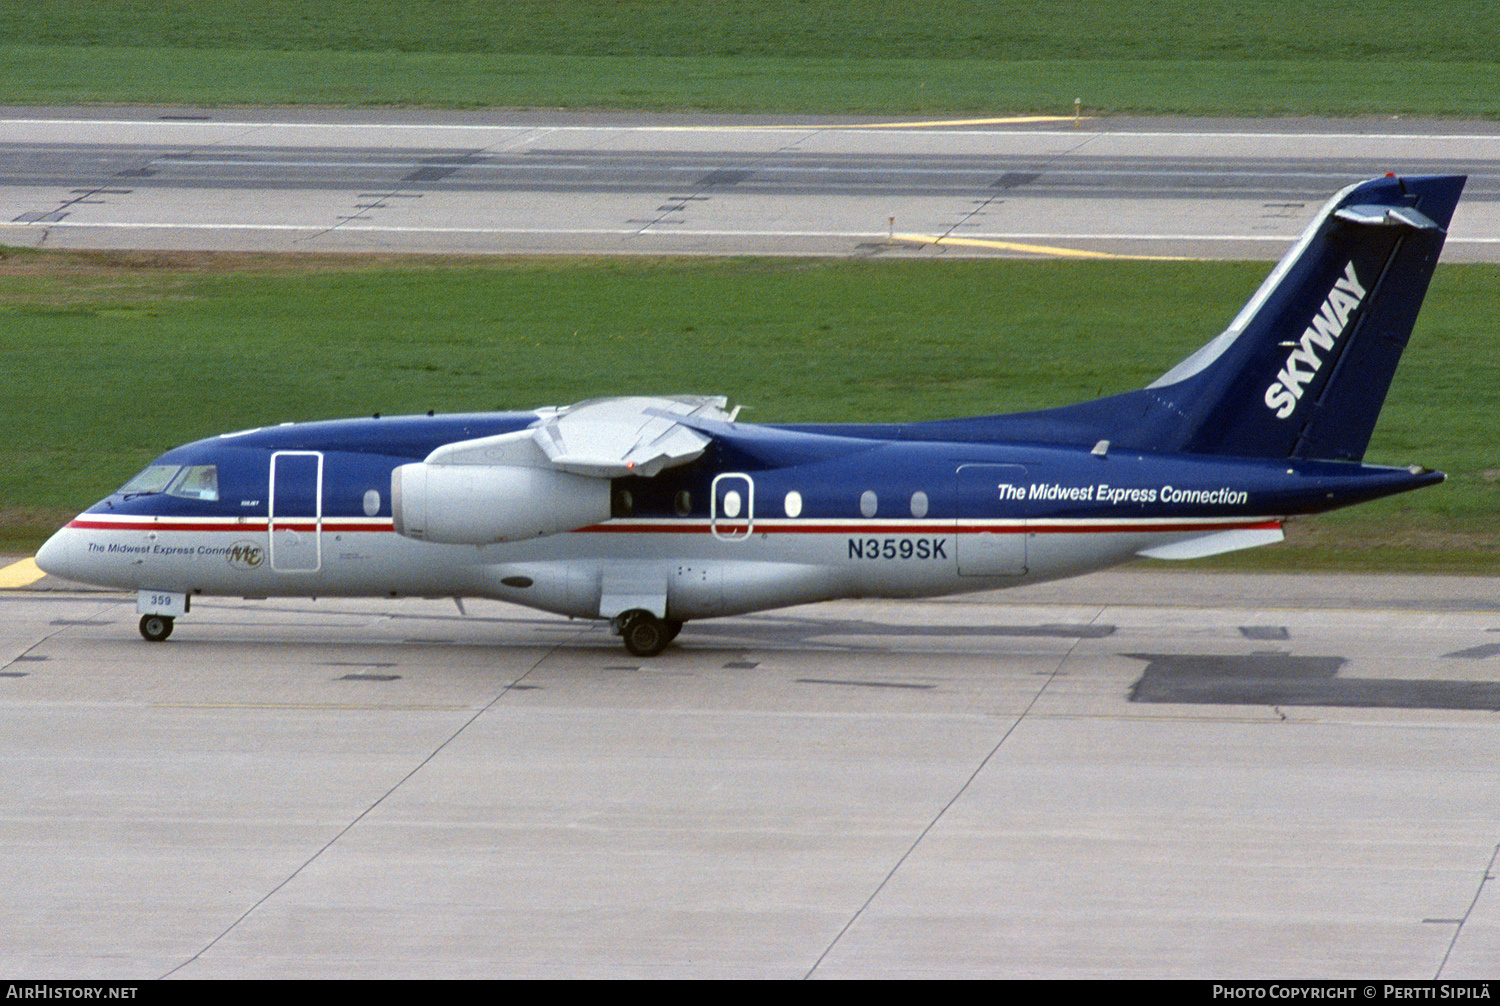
{"x": 1303, "y": 370}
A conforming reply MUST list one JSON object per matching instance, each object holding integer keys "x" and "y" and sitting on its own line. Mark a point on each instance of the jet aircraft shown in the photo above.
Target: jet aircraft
{"x": 650, "y": 512}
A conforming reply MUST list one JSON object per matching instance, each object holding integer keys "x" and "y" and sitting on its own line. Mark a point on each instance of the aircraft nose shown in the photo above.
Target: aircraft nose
{"x": 60, "y": 556}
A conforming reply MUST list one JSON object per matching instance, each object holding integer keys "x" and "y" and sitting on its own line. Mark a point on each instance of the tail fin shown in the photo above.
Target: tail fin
{"x": 1303, "y": 370}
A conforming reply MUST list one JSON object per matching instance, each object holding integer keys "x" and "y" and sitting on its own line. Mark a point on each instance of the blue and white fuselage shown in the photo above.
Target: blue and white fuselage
{"x": 652, "y": 512}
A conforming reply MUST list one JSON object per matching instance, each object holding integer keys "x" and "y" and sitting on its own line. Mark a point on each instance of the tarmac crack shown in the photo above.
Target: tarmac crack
{"x": 1485, "y": 878}
{"x": 29, "y": 653}
{"x": 1051, "y": 676}
{"x": 514, "y": 685}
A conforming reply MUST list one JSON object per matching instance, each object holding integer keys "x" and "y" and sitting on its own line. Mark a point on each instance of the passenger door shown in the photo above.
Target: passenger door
{"x": 990, "y": 544}
{"x": 295, "y": 512}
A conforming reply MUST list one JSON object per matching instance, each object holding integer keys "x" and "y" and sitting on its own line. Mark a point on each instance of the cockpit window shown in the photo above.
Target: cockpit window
{"x": 196, "y": 482}
{"x": 154, "y": 479}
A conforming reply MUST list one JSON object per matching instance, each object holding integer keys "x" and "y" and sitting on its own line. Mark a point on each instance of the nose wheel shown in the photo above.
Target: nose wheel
{"x": 645, "y": 635}
{"x": 156, "y": 627}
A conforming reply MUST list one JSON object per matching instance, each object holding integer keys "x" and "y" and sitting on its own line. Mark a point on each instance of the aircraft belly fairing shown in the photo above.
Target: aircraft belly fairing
{"x": 650, "y": 512}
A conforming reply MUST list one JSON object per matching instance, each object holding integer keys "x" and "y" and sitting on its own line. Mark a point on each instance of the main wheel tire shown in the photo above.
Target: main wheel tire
{"x": 156, "y": 627}
{"x": 644, "y": 634}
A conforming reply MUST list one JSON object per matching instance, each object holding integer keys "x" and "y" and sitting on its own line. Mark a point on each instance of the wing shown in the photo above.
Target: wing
{"x": 604, "y": 438}
{"x": 611, "y": 437}
{"x": 551, "y": 477}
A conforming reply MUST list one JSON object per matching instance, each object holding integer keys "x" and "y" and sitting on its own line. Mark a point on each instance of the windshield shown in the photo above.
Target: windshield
{"x": 153, "y": 480}
{"x": 194, "y": 482}
{"x": 197, "y": 482}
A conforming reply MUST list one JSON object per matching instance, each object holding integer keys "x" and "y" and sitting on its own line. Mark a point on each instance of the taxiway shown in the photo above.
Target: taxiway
{"x": 554, "y": 182}
{"x": 1136, "y": 774}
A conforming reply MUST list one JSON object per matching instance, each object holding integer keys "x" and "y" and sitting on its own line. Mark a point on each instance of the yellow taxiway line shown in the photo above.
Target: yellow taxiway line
{"x": 20, "y": 574}
{"x": 1009, "y": 120}
{"x": 1053, "y": 250}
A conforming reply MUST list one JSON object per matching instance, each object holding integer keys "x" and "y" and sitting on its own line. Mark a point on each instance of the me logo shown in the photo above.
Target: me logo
{"x": 1304, "y": 361}
{"x": 244, "y": 555}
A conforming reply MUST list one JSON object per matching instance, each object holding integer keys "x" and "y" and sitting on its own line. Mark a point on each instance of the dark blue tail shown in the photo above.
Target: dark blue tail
{"x": 1303, "y": 370}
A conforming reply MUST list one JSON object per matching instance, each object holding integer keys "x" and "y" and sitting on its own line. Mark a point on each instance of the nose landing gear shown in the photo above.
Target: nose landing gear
{"x": 156, "y": 627}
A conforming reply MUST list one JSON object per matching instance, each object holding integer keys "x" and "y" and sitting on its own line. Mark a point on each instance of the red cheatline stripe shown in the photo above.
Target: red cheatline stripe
{"x": 216, "y": 526}
{"x": 804, "y": 527}
{"x": 868, "y": 530}
{"x": 1251, "y": 525}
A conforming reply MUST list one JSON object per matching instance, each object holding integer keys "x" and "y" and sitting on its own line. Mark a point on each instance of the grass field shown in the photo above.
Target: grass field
{"x": 1334, "y": 57}
{"x": 851, "y": 29}
{"x": 124, "y": 356}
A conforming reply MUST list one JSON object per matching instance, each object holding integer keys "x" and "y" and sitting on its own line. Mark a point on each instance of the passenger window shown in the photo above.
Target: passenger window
{"x": 197, "y": 482}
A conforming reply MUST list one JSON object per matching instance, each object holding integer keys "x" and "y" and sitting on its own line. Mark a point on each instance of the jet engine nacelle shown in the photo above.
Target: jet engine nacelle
{"x": 484, "y": 504}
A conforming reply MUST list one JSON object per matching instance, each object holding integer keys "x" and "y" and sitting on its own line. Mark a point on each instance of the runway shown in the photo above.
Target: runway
{"x": 1137, "y": 774}
{"x": 554, "y": 182}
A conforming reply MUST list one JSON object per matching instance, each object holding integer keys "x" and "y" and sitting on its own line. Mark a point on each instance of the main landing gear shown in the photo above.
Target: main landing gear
{"x": 156, "y": 627}
{"x": 643, "y": 633}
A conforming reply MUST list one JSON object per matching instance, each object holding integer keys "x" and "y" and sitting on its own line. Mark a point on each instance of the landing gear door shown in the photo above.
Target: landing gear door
{"x": 991, "y": 528}
{"x": 295, "y": 506}
{"x": 732, "y": 506}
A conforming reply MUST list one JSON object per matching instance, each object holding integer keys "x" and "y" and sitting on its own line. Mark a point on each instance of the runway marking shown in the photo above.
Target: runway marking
{"x": 20, "y": 574}
{"x": 136, "y": 225}
{"x": 1053, "y": 250}
{"x": 1008, "y": 120}
{"x": 863, "y": 684}
{"x": 333, "y": 706}
{"x": 998, "y": 120}
{"x": 1008, "y": 242}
